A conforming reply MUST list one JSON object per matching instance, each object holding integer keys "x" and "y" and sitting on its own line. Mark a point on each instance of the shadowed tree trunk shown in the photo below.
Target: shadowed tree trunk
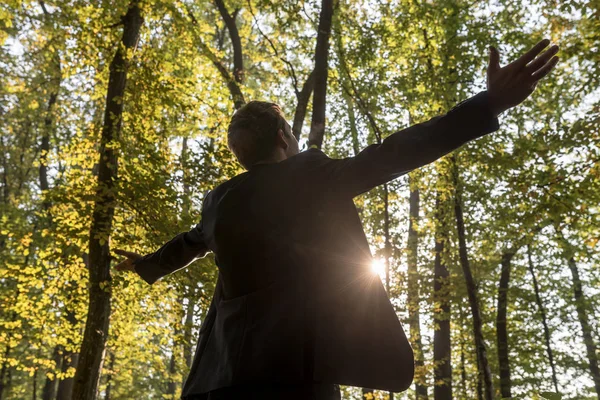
{"x": 65, "y": 386}
{"x": 442, "y": 370}
{"x": 586, "y": 327}
{"x": 501, "y": 329}
{"x": 111, "y": 365}
{"x": 236, "y": 43}
{"x": 96, "y": 327}
{"x": 413, "y": 286}
{"x": 187, "y": 332}
{"x": 317, "y": 127}
{"x": 49, "y": 390}
{"x": 482, "y": 360}
{"x": 302, "y": 96}
{"x": 4, "y": 383}
{"x": 542, "y": 312}
{"x": 582, "y": 313}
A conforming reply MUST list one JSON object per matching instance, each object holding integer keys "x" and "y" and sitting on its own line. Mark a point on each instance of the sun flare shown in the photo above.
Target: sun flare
{"x": 378, "y": 266}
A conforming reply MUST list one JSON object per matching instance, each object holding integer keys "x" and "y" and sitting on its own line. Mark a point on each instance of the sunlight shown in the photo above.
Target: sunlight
{"x": 378, "y": 266}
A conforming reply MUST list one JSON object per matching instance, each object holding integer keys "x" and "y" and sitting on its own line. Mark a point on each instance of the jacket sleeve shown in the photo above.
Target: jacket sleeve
{"x": 409, "y": 148}
{"x": 176, "y": 254}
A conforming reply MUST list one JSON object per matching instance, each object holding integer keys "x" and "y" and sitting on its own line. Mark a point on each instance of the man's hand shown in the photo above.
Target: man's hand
{"x": 127, "y": 264}
{"x": 512, "y": 84}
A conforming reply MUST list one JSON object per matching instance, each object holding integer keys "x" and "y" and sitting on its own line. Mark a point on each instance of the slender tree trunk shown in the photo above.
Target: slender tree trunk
{"x": 172, "y": 385}
{"x": 482, "y": 360}
{"x": 442, "y": 370}
{"x": 96, "y": 328}
{"x": 542, "y": 312}
{"x": 345, "y": 84}
{"x": 586, "y": 328}
{"x": 50, "y": 386}
{"x": 65, "y": 386}
{"x": 413, "y": 287}
{"x": 3, "y": 371}
{"x": 111, "y": 366}
{"x": 236, "y": 43}
{"x": 303, "y": 97}
{"x": 501, "y": 329}
{"x": 463, "y": 369}
{"x": 34, "y": 384}
{"x": 187, "y": 333}
{"x": 317, "y": 127}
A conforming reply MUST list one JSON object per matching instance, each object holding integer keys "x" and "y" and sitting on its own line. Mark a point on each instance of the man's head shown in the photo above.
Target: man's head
{"x": 258, "y": 133}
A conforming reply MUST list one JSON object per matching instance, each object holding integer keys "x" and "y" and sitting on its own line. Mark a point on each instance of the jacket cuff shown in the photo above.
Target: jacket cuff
{"x": 146, "y": 269}
{"x": 481, "y": 112}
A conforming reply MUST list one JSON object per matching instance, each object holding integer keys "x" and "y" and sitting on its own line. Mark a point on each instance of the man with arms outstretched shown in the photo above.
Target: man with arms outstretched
{"x": 296, "y": 310}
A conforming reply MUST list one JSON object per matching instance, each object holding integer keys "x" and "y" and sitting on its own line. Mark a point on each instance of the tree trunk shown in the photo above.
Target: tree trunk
{"x": 303, "y": 97}
{"x": 172, "y": 385}
{"x": 50, "y": 386}
{"x": 542, "y": 312}
{"x": 501, "y": 329}
{"x": 482, "y": 360}
{"x": 586, "y": 328}
{"x": 414, "y": 320}
{"x": 111, "y": 366}
{"x": 236, "y": 43}
{"x": 96, "y": 327}
{"x": 65, "y": 386}
{"x": 317, "y": 127}
{"x": 463, "y": 369}
{"x": 442, "y": 370}
{"x": 187, "y": 333}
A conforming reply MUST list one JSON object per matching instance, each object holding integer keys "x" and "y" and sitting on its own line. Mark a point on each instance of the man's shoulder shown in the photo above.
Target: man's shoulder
{"x": 224, "y": 186}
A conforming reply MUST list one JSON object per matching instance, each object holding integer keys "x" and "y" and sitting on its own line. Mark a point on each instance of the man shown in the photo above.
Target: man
{"x": 296, "y": 310}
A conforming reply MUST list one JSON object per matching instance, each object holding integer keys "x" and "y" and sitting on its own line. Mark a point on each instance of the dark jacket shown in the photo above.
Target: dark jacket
{"x": 296, "y": 300}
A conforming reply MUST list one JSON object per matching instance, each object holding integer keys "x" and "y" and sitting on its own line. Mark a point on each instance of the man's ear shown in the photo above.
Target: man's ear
{"x": 281, "y": 142}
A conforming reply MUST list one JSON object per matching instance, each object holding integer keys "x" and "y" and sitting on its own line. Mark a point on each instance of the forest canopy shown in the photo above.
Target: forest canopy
{"x": 113, "y": 127}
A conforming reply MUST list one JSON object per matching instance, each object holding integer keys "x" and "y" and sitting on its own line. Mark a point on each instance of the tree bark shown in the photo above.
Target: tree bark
{"x": 586, "y": 328}
{"x": 236, "y": 43}
{"x": 65, "y": 386}
{"x": 542, "y": 312}
{"x": 111, "y": 365}
{"x": 96, "y": 327}
{"x": 482, "y": 360}
{"x": 303, "y": 97}
{"x": 187, "y": 333}
{"x": 49, "y": 390}
{"x": 317, "y": 127}
{"x": 414, "y": 320}
{"x": 501, "y": 329}
{"x": 231, "y": 82}
{"x": 442, "y": 370}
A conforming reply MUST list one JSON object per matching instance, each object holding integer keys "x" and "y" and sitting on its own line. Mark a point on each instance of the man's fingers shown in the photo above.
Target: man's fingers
{"x": 545, "y": 70}
{"x": 126, "y": 265}
{"x": 541, "y": 60}
{"x": 531, "y": 54}
{"x": 494, "y": 64}
{"x": 125, "y": 253}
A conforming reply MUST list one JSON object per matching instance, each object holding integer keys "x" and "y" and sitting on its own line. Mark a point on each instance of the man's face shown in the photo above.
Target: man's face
{"x": 293, "y": 147}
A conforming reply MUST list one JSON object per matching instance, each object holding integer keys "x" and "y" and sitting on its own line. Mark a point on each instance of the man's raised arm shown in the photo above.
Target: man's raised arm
{"x": 176, "y": 254}
{"x": 424, "y": 143}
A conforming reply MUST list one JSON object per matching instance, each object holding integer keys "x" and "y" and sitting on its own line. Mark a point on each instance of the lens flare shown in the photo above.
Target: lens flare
{"x": 378, "y": 266}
